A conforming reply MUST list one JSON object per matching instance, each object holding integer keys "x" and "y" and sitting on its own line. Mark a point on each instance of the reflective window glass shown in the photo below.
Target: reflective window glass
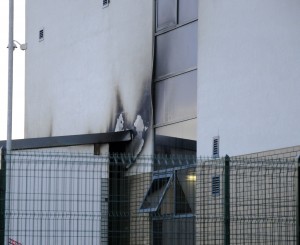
{"x": 176, "y": 51}
{"x": 188, "y": 10}
{"x": 176, "y": 98}
{"x": 185, "y": 195}
{"x": 166, "y": 13}
{"x": 167, "y": 205}
{"x": 176, "y": 143}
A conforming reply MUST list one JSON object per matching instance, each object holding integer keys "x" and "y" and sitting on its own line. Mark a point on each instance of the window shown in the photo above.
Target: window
{"x": 172, "y": 212}
{"x": 175, "y": 77}
{"x": 176, "y": 51}
{"x": 176, "y": 98}
{"x": 171, "y": 192}
{"x": 170, "y": 146}
{"x": 159, "y": 186}
{"x": 166, "y": 13}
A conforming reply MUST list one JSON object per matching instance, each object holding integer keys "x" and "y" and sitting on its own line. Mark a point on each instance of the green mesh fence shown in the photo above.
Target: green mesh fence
{"x": 260, "y": 207}
{"x": 60, "y": 198}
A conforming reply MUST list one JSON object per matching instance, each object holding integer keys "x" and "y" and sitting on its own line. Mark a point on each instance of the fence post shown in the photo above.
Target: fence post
{"x": 2, "y": 194}
{"x": 227, "y": 201}
{"x": 298, "y": 201}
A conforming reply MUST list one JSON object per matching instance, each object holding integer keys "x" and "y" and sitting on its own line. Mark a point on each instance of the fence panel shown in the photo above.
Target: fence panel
{"x": 58, "y": 198}
{"x": 262, "y": 202}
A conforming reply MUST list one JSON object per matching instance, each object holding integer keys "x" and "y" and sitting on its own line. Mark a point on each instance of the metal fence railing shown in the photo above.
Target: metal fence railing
{"x": 64, "y": 198}
{"x": 258, "y": 203}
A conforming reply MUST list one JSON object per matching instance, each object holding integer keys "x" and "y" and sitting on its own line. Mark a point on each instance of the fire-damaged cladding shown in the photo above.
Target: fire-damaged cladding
{"x": 140, "y": 125}
{"x": 175, "y": 98}
{"x": 175, "y": 76}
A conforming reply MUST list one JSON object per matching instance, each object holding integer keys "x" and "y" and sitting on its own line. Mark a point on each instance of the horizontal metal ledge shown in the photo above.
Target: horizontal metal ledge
{"x": 70, "y": 140}
{"x": 173, "y": 27}
{"x": 159, "y": 125}
{"x": 170, "y": 75}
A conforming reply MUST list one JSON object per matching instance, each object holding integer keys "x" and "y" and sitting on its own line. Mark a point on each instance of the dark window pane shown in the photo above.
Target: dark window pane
{"x": 188, "y": 10}
{"x": 166, "y": 13}
{"x": 174, "y": 231}
{"x": 167, "y": 205}
{"x": 155, "y": 194}
{"x": 185, "y": 193}
{"x": 176, "y": 51}
{"x": 181, "y": 204}
{"x": 173, "y": 152}
{"x": 176, "y": 143}
{"x": 158, "y": 232}
{"x": 176, "y": 98}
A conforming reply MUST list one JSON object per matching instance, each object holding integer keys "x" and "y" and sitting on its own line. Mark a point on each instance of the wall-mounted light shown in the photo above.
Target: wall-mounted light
{"x": 22, "y": 46}
{"x": 191, "y": 177}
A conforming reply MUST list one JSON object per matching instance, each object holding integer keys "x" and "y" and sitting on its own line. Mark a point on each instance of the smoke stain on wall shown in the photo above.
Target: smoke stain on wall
{"x": 141, "y": 123}
{"x": 50, "y": 134}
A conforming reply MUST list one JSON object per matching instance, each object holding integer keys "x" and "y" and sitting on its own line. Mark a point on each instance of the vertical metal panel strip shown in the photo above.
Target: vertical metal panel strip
{"x": 298, "y": 202}
{"x": 2, "y": 195}
{"x": 227, "y": 201}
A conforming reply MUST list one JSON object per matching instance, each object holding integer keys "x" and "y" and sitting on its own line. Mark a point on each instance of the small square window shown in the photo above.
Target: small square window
{"x": 41, "y": 34}
{"x": 166, "y": 13}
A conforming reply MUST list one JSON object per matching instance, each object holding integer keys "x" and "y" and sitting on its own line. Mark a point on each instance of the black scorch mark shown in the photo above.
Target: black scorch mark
{"x": 140, "y": 125}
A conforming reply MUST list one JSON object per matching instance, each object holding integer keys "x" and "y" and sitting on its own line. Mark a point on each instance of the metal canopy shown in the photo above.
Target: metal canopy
{"x": 70, "y": 140}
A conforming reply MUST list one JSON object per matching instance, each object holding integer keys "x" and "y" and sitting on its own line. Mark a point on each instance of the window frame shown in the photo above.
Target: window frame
{"x": 172, "y": 175}
{"x": 156, "y": 177}
{"x": 169, "y": 24}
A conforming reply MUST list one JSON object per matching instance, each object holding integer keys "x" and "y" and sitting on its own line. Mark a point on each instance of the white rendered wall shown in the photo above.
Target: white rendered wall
{"x": 93, "y": 64}
{"x": 248, "y": 75}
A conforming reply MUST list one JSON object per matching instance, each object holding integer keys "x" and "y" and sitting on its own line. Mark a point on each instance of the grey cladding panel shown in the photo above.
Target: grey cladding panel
{"x": 183, "y": 130}
{"x": 166, "y": 13}
{"x": 176, "y": 51}
{"x": 176, "y": 98}
{"x": 188, "y": 10}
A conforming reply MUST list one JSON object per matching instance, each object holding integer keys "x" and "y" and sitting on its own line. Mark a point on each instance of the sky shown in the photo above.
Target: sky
{"x": 19, "y": 69}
